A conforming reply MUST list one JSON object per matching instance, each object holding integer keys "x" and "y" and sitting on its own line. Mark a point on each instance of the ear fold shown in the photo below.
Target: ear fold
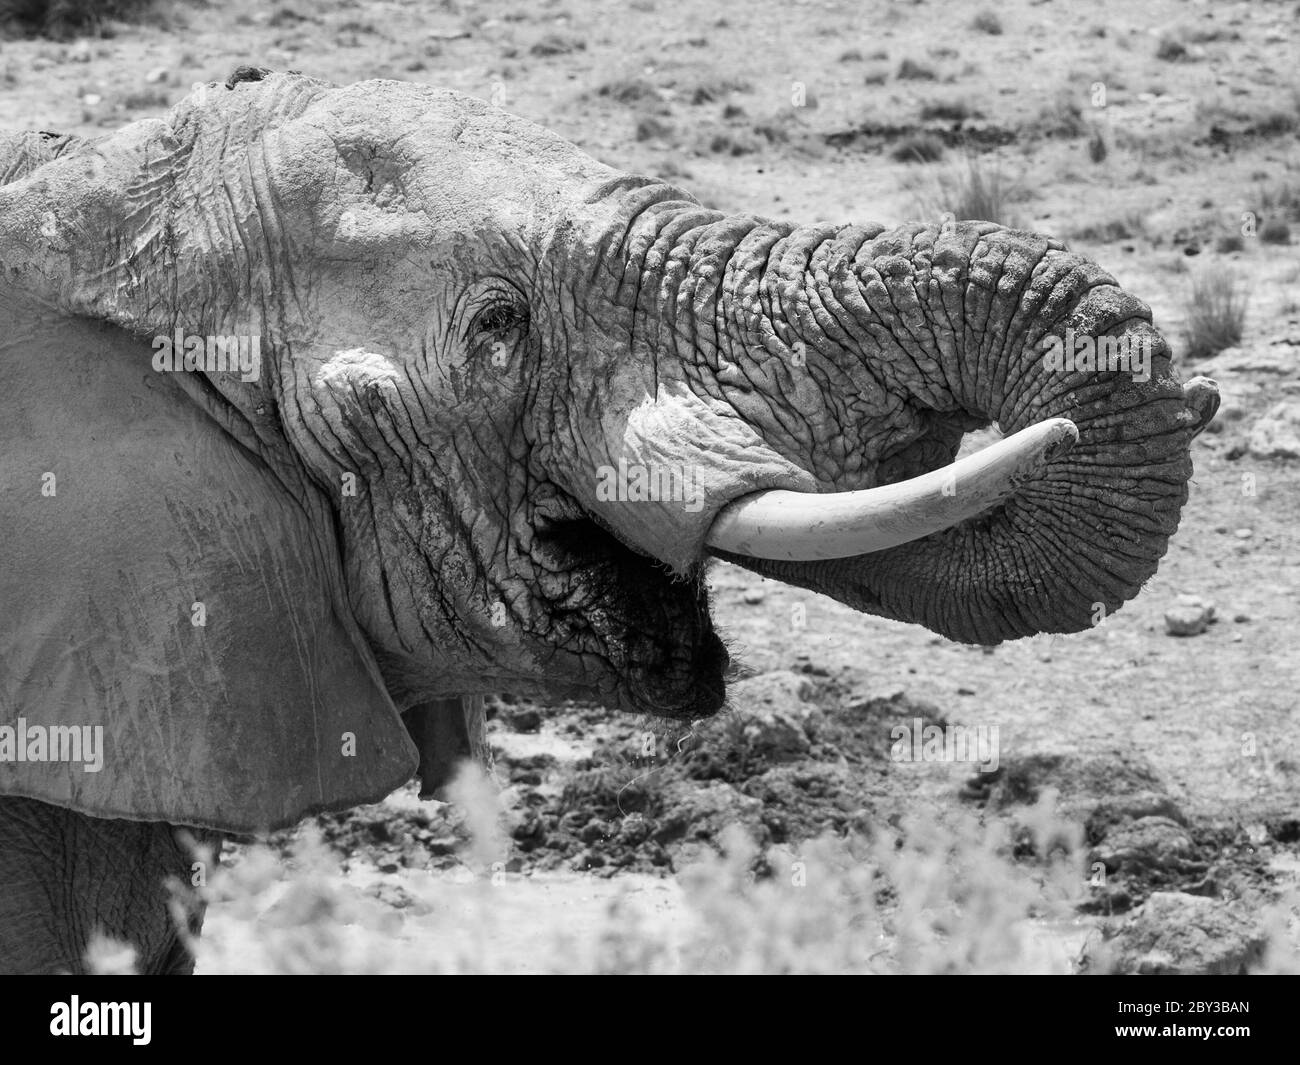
{"x": 172, "y": 604}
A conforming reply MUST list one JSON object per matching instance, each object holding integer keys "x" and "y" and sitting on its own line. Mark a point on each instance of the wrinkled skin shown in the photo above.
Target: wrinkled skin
{"x": 463, "y": 319}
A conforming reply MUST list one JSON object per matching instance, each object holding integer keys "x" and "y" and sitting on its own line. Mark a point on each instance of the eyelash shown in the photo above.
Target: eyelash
{"x": 499, "y": 318}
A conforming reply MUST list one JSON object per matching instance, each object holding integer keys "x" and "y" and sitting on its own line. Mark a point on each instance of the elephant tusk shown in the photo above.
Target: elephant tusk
{"x": 806, "y": 527}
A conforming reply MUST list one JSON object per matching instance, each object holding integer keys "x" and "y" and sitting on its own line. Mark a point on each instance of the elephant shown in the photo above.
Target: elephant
{"x": 330, "y": 409}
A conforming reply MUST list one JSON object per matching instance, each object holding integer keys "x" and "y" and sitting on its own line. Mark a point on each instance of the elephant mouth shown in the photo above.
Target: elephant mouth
{"x": 653, "y": 629}
{"x": 655, "y": 646}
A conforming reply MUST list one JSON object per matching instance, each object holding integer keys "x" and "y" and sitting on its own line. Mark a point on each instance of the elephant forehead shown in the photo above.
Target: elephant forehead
{"x": 441, "y": 153}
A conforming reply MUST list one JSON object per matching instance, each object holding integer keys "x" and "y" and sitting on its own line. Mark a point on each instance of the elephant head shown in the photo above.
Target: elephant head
{"x": 326, "y": 402}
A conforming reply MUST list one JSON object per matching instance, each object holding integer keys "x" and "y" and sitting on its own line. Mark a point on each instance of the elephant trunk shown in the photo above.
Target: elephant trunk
{"x": 864, "y": 356}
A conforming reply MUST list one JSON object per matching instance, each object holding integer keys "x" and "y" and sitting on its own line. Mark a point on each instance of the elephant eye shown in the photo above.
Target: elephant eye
{"x": 500, "y": 318}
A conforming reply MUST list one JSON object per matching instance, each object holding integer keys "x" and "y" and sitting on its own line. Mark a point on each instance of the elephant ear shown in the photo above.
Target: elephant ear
{"x": 171, "y": 599}
{"x": 175, "y": 640}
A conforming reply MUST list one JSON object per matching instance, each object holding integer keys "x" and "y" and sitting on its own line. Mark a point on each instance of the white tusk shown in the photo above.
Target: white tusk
{"x": 806, "y": 526}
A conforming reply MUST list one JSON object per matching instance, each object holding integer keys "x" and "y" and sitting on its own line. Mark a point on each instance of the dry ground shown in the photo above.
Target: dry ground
{"x": 1142, "y": 134}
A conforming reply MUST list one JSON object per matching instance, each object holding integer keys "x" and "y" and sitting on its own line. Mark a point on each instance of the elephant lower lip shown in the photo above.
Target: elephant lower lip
{"x": 657, "y": 635}
{"x": 700, "y": 693}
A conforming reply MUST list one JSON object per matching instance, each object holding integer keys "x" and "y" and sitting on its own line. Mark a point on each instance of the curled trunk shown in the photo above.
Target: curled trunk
{"x": 864, "y": 356}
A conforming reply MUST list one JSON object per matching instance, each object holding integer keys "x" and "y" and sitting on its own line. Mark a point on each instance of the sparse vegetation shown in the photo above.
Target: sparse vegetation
{"x": 715, "y": 89}
{"x": 1275, "y": 232}
{"x": 972, "y": 188}
{"x": 1216, "y": 312}
{"x": 1063, "y": 117}
{"x": 919, "y": 148}
{"x": 650, "y": 128}
{"x": 910, "y": 70}
{"x": 146, "y": 100}
{"x": 557, "y": 44}
{"x": 1097, "y": 150}
{"x": 1281, "y": 200}
{"x": 1171, "y": 50}
{"x": 953, "y": 110}
{"x": 629, "y": 91}
{"x": 61, "y": 19}
{"x": 1126, "y": 227}
{"x": 933, "y": 898}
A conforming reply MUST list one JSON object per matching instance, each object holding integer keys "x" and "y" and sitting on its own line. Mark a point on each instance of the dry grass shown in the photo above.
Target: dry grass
{"x": 950, "y": 896}
{"x": 1216, "y": 312}
{"x": 919, "y": 148}
{"x": 974, "y": 187}
{"x": 932, "y": 899}
{"x": 910, "y": 70}
{"x": 65, "y": 18}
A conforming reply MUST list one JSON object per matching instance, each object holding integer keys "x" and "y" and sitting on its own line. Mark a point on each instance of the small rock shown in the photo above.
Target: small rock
{"x": 92, "y": 99}
{"x": 1240, "y": 619}
{"x": 80, "y": 52}
{"x": 773, "y": 719}
{"x": 1189, "y": 616}
{"x": 1145, "y": 844}
{"x": 1178, "y": 934}
{"x": 1243, "y": 534}
{"x": 594, "y": 832}
{"x": 1277, "y": 433}
{"x": 441, "y": 845}
{"x": 754, "y": 596}
{"x": 156, "y": 75}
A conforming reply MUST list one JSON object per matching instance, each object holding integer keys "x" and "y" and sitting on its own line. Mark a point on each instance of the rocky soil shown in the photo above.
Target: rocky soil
{"x": 1160, "y": 138}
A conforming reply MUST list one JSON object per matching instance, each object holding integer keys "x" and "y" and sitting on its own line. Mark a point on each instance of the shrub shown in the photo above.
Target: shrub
{"x": 649, "y": 128}
{"x": 1275, "y": 232}
{"x": 66, "y": 18}
{"x": 970, "y": 189}
{"x": 908, "y": 70}
{"x": 707, "y": 92}
{"x": 629, "y": 91}
{"x": 919, "y": 148}
{"x": 1216, "y": 312}
{"x": 557, "y": 44}
{"x": 949, "y": 111}
{"x": 1171, "y": 50}
{"x": 1097, "y": 150}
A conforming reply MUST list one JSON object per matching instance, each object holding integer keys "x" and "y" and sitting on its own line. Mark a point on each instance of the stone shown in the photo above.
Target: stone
{"x": 772, "y": 719}
{"x": 1277, "y": 433}
{"x": 1148, "y": 843}
{"x": 1178, "y": 934}
{"x": 1189, "y": 616}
